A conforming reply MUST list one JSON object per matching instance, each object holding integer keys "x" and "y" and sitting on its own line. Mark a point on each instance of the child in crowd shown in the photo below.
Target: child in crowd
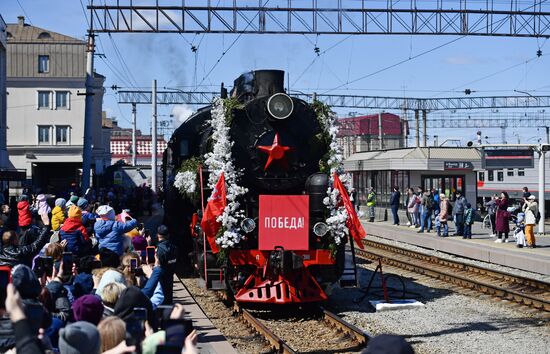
{"x": 437, "y": 224}
{"x": 469, "y": 215}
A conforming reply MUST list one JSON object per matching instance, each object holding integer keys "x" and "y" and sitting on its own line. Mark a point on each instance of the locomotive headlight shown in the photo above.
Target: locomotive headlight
{"x": 280, "y": 106}
{"x": 320, "y": 229}
{"x": 248, "y": 225}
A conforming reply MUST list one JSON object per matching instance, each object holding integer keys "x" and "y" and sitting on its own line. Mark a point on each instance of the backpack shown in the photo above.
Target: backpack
{"x": 430, "y": 202}
{"x": 537, "y": 217}
{"x": 450, "y": 208}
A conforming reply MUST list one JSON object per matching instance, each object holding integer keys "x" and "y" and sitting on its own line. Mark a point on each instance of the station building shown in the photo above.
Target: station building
{"x": 444, "y": 168}
{"x": 46, "y": 75}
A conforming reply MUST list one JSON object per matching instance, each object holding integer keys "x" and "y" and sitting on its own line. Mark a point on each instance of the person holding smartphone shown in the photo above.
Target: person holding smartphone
{"x": 12, "y": 253}
{"x": 110, "y": 234}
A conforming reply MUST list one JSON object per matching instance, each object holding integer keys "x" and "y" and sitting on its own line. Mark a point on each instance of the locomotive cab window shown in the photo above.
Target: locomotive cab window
{"x": 184, "y": 148}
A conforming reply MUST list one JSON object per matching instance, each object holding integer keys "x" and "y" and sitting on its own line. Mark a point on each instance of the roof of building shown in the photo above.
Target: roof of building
{"x": 411, "y": 158}
{"x": 368, "y": 125}
{"x": 25, "y": 33}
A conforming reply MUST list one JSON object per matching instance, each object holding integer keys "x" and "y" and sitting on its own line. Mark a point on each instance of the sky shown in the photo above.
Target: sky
{"x": 486, "y": 65}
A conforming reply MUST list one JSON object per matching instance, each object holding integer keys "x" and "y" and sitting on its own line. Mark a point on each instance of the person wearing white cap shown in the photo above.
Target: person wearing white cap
{"x": 531, "y": 210}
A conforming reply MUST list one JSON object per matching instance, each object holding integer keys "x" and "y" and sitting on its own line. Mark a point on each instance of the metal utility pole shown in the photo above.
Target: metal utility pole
{"x": 134, "y": 146}
{"x": 154, "y": 139}
{"x": 416, "y": 117}
{"x": 542, "y": 186}
{"x": 547, "y": 134}
{"x": 87, "y": 143}
{"x": 424, "y": 130}
{"x": 380, "y": 142}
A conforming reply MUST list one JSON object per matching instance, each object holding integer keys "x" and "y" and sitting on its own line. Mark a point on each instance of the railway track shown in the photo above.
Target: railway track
{"x": 355, "y": 335}
{"x": 519, "y": 289}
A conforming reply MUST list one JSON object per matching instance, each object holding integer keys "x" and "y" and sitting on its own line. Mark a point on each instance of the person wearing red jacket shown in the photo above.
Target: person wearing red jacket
{"x": 24, "y": 212}
{"x": 78, "y": 241}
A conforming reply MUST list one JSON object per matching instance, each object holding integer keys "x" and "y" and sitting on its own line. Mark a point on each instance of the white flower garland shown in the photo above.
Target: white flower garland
{"x": 338, "y": 214}
{"x": 218, "y": 161}
{"x": 186, "y": 182}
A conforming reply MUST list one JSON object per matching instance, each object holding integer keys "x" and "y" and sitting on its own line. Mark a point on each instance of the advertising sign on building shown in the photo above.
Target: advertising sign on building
{"x": 458, "y": 165}
{"x": 497, "y": 159}
{"x": 284, "y": 221}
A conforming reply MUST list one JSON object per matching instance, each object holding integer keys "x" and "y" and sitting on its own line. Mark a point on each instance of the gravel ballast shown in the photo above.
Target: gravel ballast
{"x": 451, "y": 322}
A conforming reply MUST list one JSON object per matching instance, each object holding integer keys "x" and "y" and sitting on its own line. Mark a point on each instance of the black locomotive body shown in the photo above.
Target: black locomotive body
{"x": 278, "y": 144}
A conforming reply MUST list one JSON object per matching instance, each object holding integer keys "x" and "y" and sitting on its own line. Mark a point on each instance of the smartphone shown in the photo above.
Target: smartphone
{"x": 5, "y": 279}
{"x": 177, "y": 331}
{"x": 163, "y": 313}
{"x": 47, "y": 262}
{"x": 167, "y": 349}
{"x": 140, "y": 226}
{"x": 43, "y": 265}
{"x": 150, "y": 250}
{"x": 67, "y": 263}
{"x": 133, "y": 264}
{"x": 135, "y": 327}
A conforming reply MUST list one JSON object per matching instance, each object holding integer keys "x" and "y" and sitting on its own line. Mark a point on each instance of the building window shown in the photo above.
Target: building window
{"x": 43, "y": 134}
{"x": 521, "y": 172}
{"x": 61, "y": 134}
{"x": 491, "y": 175}
{"x": 62, "y": 99}
{"x": 500, "y": 176}
{"x": 481, "y": 176}
{"x": 43, "y": 99}
{"x": 43, "y": 63}
{"x": 510, "y": 173}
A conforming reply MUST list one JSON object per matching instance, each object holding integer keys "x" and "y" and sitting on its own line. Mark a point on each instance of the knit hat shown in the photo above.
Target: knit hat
{"x": 106, "y": 212}
{"x": 131, "y": 298}
{"x": 387, "y": 344}
{"x": 88, "y": 308}
{"x": 79, "y": 338}
{"x": 82, "y": 203}
{"x": 139, "y": 243}
{"x": 60, "y": 202}
{"x": 83, "y": 284}
{"x": 74, "y": 199}
{"x": 75, "y": 212}
{"x": 110, "y": 276}
{"x": 25, "y": 281}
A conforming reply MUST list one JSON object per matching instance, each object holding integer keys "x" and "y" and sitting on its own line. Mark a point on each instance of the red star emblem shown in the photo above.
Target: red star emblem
{"x": 275, "y": 152}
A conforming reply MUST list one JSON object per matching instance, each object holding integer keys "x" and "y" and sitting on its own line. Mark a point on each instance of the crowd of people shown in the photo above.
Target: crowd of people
{"x": 428, "y": 210}
{"x": 82, "y": 275}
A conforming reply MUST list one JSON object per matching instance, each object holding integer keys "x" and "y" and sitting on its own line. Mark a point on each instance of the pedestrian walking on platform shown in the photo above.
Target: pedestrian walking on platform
{"x": 371, "y": 203}
{"x": 427, "y": 208}
{"x": 458, "y": 213}
{"x": 394, "y": 204}
{"x": 532, "y": 216}
{"x": 444, "y": 214}
{"x": 491, "y": 206}
{"x": 502, "y": 218}
{"x": 469, "y": 216}
{"x": 412, "y": 208}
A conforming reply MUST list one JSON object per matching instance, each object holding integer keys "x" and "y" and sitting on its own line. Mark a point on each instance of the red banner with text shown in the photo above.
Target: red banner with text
{"x": 284, "y": 221}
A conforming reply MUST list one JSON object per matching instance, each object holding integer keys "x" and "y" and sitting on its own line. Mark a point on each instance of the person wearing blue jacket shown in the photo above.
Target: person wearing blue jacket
{"x": 110, "y": 233}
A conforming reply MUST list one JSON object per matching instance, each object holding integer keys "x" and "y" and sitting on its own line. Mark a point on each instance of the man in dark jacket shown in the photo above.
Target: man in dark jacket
{"x": 167, "y": 255}
{"x": 13, "y": 254}
{"x": 458, "y": 213}
{"x": 394, "y": 204}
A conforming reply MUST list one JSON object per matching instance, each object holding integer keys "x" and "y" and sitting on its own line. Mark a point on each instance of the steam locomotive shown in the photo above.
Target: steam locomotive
{"x": 283, "y": 257}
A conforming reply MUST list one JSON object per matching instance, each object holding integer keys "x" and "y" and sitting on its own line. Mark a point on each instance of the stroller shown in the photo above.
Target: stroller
{"x": 519, "y": 230}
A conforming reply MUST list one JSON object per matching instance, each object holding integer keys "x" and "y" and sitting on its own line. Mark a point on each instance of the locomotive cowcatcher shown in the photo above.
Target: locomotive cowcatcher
{"x": 284, "y": 256}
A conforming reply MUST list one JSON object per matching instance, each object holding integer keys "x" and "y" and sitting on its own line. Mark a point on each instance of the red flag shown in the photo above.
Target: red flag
{"x": 354, "y": 225}
{"x": 214, "y": 208}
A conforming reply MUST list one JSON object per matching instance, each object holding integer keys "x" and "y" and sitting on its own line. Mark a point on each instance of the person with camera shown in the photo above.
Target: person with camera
{"x": 12, "y": 253}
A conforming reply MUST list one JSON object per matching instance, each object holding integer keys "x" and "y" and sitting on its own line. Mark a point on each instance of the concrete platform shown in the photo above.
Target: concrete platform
{"x": 211, "y": 340}
{"x": 481, "y": 247}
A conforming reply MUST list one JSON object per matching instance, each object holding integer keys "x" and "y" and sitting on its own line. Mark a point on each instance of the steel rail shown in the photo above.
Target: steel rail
{"x": 499, "y": 284}
{"x": 337, "y": 322}
{"x": 275, "y": 341}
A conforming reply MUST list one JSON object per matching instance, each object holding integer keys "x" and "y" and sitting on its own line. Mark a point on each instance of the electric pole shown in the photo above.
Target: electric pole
{"x": 87, "y": 143}
{"x": 154, "y": 138}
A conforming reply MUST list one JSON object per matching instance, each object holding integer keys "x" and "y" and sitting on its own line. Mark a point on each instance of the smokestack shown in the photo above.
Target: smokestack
{"x": 21, "y": 20}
